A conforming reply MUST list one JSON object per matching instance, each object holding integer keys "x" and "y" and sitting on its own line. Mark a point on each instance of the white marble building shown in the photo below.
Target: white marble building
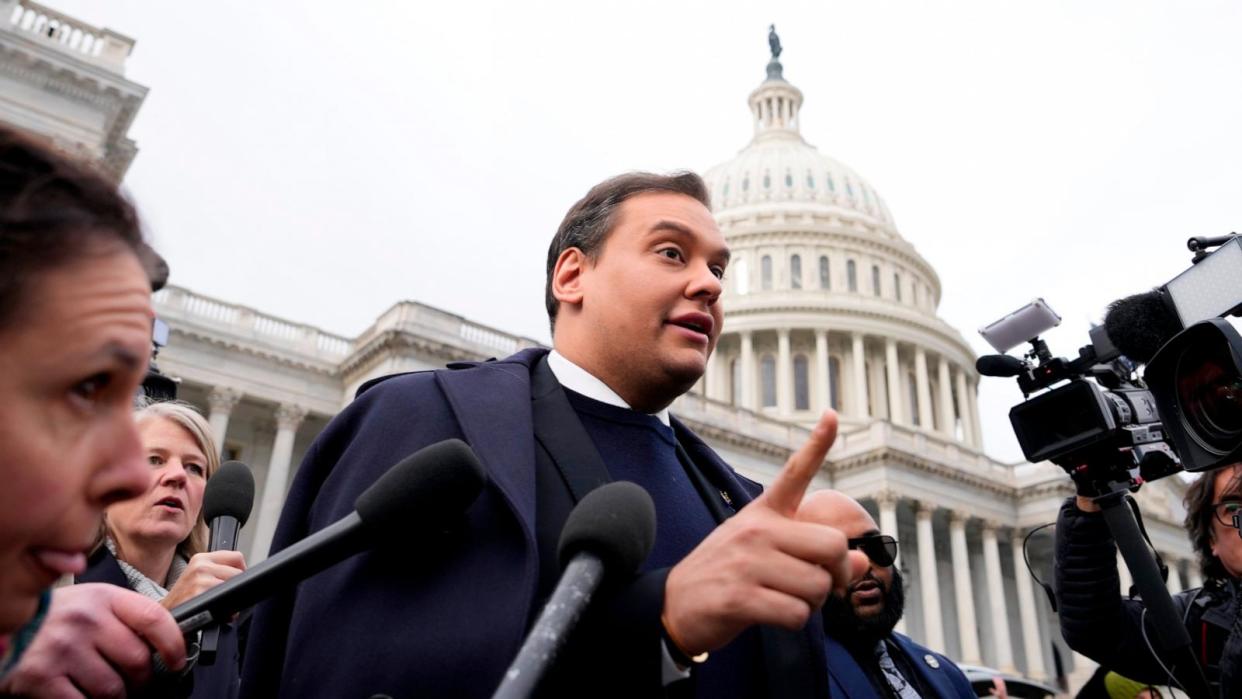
{"x": 826, "y": 305}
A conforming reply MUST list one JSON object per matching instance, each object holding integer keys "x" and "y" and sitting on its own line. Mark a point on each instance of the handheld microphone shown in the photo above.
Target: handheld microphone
{"x": 227, "y": 501}
{"x": 610, "y": 531}
{"x": 1139, "y": 325}
{"x": 430, "y": 485}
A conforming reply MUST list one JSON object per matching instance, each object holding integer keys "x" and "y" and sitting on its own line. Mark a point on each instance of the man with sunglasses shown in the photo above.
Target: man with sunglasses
{"x": 866, "y": 658}
{"x": 1102, "y": 625}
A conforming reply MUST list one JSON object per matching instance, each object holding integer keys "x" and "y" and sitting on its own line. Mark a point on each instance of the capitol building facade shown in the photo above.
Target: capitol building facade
{"x": 827, "y": 305}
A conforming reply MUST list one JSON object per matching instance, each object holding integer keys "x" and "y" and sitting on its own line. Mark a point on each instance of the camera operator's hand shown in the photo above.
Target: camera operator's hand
{"x": 96, "y": 641}
{"x": 761, "y": 566}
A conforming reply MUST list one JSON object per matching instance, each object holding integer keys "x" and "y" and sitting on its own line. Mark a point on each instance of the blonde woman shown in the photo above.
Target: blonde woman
{"x": 155, "y": 544}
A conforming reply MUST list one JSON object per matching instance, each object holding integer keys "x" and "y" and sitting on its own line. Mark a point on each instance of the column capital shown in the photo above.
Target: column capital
{"x": 289, "y": 416}
{"x": 990, "y": 526}
{"x": 886, "y": 497}
{"x": 957, "y": 516}
{"x": 924, "y": 509}
{"x": 222, "y": 399}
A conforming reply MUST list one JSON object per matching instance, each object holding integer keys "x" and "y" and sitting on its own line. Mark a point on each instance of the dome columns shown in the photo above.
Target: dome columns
{"x": 795, "y": 373}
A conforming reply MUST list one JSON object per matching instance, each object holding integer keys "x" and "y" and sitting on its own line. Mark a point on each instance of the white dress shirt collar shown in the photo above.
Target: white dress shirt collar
{"x": 579, "y": 380}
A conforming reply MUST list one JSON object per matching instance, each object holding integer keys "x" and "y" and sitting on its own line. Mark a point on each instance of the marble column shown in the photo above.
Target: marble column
{"x": 929, "y": 581}
{"x": 1123, "y": 573}
{"x": 1031, "y": 643}
{"x": 923, "y": 389}
{"x": 860, "y": 378}
{"x": 972, "y": 395}
{"x": 288, "y": 417}
{"x": 893, "y": 373}
{"x": 823, "y": 385}
{"x": 746, "y": 392}
{"x": 1195, "y": 577}
{"x": 784, "y": 373}
{"x": 967, "y": 628}
{"x": 963, "y": 405}
{"x": 887, "y": 503}
{"x": 1175, "y": 575}
{"x": 220, "y": 403}
{"x": 996, "y": 599}
{"x": 946, "y": 398}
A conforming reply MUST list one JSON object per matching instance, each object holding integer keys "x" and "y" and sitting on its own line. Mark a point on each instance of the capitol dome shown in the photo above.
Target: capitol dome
{"x": 825, "y": 303}
{"x": 779, "y": 167}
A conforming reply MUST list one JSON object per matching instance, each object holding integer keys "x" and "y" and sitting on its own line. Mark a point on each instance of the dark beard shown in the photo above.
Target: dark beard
{"x": 843, "y": 624}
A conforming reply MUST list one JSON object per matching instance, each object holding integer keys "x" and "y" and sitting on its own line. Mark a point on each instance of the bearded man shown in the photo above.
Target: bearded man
{"x": 866, "y": 658}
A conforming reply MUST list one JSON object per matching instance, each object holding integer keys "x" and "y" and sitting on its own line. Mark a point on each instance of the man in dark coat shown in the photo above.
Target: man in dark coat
{"x": 634, "y": 280}
{"x": 867, "y": 659}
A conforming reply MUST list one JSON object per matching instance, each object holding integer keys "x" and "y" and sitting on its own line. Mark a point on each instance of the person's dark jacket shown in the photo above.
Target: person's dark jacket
{"x": 938, "y": 676}
{"x": 1097, "y": 622}
{"x": 446, "y": 614}
{"x": 219, "y": 680}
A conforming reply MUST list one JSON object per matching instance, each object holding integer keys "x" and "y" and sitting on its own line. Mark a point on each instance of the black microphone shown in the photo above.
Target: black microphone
{"x": 610, "y": 531}
{"x": 433, "y": 484}
{"x": 1139, "y": 325}
{"x": 227, "y": 502}
{"x": 999, "y": 365}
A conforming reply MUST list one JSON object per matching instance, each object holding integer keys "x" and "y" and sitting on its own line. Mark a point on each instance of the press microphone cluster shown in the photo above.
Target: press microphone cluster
{"x": 609, "y": 533}
{"x": 435, "y": 483}
{"x": 227, "y": 501}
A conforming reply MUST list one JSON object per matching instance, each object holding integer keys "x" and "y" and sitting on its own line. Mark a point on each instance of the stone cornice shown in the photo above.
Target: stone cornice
{"x": 254, "y": 350}
{"x": 890, "y": 456}
{"x": 401, "y": 343}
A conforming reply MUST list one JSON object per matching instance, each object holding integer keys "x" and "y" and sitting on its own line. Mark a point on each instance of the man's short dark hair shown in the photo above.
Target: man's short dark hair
{"x": 589, "y": 221}
{"x": 54, "y": 210}
{"x": 1200, "y": 511}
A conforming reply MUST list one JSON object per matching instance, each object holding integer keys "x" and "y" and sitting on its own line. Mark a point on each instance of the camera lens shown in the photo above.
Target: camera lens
{"x": 1209, "y": 391}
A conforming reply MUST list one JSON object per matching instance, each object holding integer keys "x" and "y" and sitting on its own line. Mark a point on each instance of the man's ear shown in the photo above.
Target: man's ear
{"x": 567, "y": 276}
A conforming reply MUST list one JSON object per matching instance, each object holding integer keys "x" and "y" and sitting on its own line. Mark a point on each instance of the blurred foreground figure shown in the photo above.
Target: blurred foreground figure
{"x": 75, "y": 335}
{"x": 866, "y": 657}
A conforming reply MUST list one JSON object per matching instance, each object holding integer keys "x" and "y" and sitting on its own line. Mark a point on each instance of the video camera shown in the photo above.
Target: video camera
{"x": 1108, "y": 427}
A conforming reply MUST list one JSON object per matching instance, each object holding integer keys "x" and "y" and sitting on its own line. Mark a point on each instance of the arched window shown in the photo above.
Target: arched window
{"x": 795, "y": 272}
{"x": 767, "y": 375}
{"x": 897, "y": 285}
{"x": 735, "y": 382}
{"x": 915, "y": 418}
{"x": 765, "y": 273}
{"x": 915, "y": 286}
{"x": 875, "y": 279}
{"x": 823, "y": 272}
{"x": 851, "y": 275}
{"x": 834, "y": 383}
{"x": 802, "y": 383}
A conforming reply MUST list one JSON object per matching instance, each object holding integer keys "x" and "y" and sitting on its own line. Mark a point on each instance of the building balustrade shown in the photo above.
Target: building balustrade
{"x": 97, "y": 45}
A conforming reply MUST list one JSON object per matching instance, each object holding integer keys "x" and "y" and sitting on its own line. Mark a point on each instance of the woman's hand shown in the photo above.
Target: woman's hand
{"x": 205, "y": 571}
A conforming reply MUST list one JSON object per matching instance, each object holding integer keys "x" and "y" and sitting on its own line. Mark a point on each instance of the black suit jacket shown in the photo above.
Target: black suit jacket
{"x": 446, "y": 618}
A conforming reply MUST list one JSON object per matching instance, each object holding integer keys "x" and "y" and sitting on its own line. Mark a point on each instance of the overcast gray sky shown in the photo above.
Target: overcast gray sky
{"x": 322, "y": 161}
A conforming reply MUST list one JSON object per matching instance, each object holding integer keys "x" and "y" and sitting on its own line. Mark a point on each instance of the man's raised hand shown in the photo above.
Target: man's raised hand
{"x": 761, "y": 566}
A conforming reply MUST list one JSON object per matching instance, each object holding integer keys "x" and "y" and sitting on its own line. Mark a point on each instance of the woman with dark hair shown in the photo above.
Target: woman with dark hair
{"x": 75, "y": 328}
{"x": 1115, "y": 632}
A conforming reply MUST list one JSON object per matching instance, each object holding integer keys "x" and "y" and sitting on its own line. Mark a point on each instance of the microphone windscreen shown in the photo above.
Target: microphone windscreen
{"x": 616, "y": 522}
{"x": 437, "y": 481}
{"x": 1139, "y": 325}
{"x": 230, "y": 492}
{"x": 998, "y": 365}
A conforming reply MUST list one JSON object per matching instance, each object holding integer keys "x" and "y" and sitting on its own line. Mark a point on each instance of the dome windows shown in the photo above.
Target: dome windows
{"x": 765, "y": 273}
{"x": 767, "y": 378}
{"x": 875, "y": 279}
{"x": 832, "y": 187}
{"x": 897, "y": 285}
{"x": 824, "y": 277}
{"x": 795, "y": 272}
{"x": 746, "y": 183}
{"x": 788, "y": 179}
{"x": 810, "y": 180}
{"x": 767, "y": 180}
{"x": 802, "y": 383}
{"x": 851, "y": 275}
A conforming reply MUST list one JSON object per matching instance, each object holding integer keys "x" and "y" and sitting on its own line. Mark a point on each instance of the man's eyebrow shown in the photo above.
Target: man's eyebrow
{"x": 674, "y": 227}
{"x": 122, "y": 354}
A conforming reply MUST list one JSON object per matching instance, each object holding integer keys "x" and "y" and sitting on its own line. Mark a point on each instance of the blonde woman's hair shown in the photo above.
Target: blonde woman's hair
{"x": 189, "y": 419}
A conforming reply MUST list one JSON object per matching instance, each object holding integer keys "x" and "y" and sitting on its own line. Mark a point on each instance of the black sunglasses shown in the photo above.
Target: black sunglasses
{"x": 880, "y": 548}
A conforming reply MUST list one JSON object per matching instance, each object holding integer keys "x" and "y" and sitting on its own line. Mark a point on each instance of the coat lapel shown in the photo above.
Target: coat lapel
{"x": 845, "y": 677}
{"x": 560, "y": 432}
{"x": 489, "y": 403}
